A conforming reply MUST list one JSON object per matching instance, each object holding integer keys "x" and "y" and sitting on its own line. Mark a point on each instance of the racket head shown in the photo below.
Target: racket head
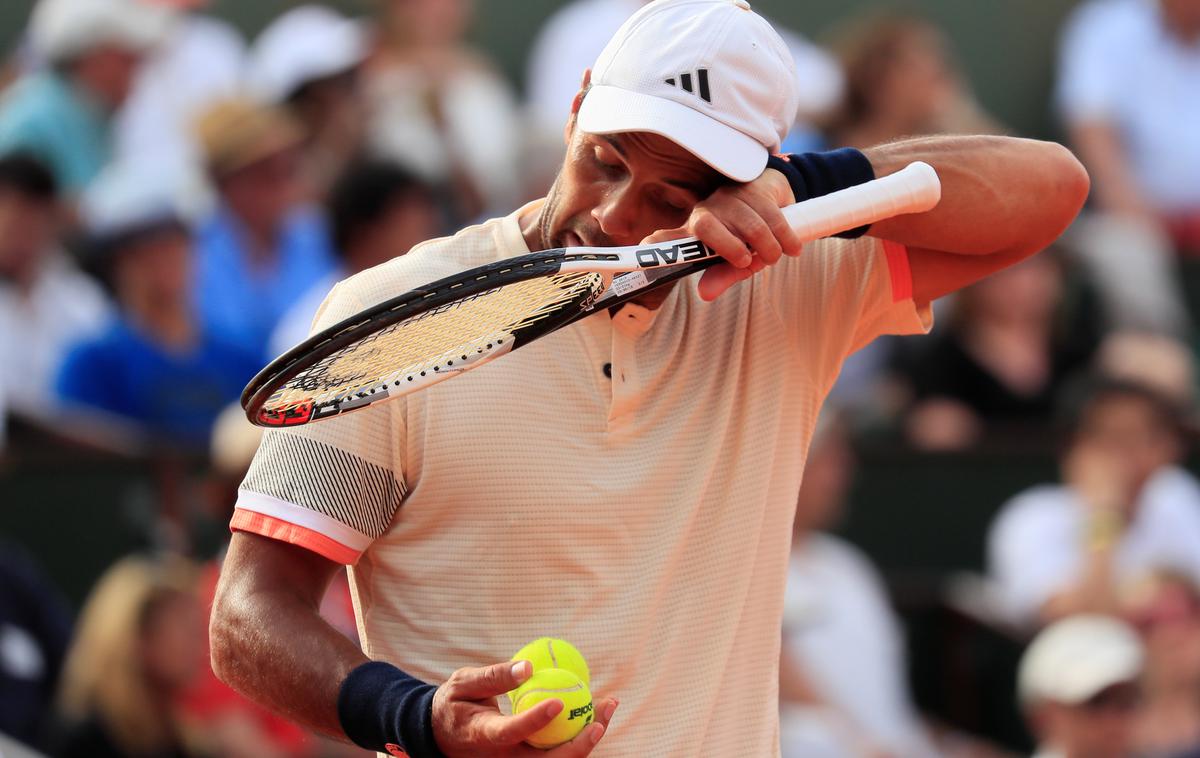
{"x": 420, "y": 338}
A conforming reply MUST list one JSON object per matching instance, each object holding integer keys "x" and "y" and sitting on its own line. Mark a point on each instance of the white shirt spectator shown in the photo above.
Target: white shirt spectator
{"x": 1120, "y": 64}
{"x": 479, "y": 122}
{"x": 571, "y": 40}
{"x": 296, "y": 323}
{"x": 202, "y": 62}
{"x": 63, "y": 307}
{"x": 1036, "y": 545}
{"x": 839, "y": 625}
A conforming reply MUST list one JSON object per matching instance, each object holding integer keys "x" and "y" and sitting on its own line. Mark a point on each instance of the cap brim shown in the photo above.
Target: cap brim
{"x": 609, "y": 110}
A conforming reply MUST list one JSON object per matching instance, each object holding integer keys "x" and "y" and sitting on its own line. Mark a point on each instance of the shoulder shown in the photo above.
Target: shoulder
{"x": 1175, "y": 489}
{"x": 110, "y": 345}
{"x": 1040, "y": 506}
{"x": 28, "y": 103}
{"x": 846, "y": 558}
{"x": 478, "y": 245}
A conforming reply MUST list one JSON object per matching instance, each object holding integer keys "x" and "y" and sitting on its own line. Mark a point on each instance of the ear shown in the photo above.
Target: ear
{"x": 584, "y": 83}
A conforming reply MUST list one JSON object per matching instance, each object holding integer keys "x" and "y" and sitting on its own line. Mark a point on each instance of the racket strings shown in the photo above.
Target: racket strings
{"x": 433, "y": 341}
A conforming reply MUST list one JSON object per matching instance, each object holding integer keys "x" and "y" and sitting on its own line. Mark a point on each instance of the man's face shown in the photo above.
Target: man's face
{"x": 1183, "y": 16}
{"x": 1128, "y": 429}
{"x": 617, "y": 189}
{"x": 1099, "y": 728}
{"x": 262, "y": 193}
{"x": 27, "y": 231}
{"x": 111, "y": 70}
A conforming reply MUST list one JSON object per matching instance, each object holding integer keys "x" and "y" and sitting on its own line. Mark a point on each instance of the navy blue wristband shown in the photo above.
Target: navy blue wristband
{"x": 814, "y": 174}
{"x": 384, "y": 709}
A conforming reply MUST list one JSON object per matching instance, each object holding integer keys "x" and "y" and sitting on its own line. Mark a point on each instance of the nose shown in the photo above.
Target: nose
{"x": 617, "y": 215}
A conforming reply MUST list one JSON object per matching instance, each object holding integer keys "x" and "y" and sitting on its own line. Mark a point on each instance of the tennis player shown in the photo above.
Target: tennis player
{"x": 627, "y": 483}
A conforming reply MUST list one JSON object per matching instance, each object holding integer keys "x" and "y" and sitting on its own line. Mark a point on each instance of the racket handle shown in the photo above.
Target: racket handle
{"x": 913, "y": 189}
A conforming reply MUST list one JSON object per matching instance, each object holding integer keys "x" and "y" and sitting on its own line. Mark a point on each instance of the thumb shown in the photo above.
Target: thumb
{"x": 491, "y": 681}
{"x": 719, "y": 278}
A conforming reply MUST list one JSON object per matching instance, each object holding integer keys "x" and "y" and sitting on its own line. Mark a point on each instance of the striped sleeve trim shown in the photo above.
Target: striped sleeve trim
{"x": 277, "y": 529}
{"x": 327, "y": 480}
{"x": 898, "y": 269}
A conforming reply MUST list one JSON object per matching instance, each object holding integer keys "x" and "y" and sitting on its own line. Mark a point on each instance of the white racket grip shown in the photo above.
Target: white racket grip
{"x": 913, "y": 189}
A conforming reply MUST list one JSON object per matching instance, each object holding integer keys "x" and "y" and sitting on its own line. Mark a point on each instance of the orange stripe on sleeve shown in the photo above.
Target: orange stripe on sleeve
{"x": 277, "y": 529}
{"x": 901, "y": 274}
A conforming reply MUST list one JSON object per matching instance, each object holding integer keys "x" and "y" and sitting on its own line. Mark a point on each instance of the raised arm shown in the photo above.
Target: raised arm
{"x": 1003, "y": 199}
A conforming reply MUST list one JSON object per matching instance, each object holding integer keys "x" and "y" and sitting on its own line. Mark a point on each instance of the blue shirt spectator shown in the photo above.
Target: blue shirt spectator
{"x": 262, "y": 248}
{"x": 45, "y": 116}
{"x": 172, "y": 395}
{"x": 242, "y": 300}
{"x": 92, "y": 50}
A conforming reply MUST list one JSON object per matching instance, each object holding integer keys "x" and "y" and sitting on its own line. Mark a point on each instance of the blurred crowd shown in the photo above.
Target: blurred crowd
{"x": 176, "y": 200}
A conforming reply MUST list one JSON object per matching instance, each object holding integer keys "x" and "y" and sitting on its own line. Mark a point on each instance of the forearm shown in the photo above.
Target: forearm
{"x": 274, "y": 648}
{"x": 1000, "y": 195}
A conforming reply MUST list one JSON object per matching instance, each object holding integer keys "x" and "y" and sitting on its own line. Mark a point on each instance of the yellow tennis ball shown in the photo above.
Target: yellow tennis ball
{"x": 562, "y": 685}
{"x": 549, "y": 653}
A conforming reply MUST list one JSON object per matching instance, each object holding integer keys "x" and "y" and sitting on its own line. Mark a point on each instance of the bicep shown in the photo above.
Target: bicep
{"x": 261, "y": 566}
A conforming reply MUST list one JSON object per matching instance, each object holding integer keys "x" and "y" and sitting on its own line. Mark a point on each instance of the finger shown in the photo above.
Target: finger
{"x": 489, "y": 681}
{"x": 784, "y": 234}
{"x": 750, "y": 225}
{"x": 586, "y": 740}
{"x": 665, "y": 235}
{"x": 714, "y": 233}
{"x": 498, "y": 729}
{"x": 719, "y": 278}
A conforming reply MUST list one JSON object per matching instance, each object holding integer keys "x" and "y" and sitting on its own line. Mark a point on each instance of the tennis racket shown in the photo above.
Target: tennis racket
{"x": 461, "y": 322}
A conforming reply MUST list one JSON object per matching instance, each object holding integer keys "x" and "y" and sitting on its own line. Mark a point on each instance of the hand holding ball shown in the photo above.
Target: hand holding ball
{"x": 559, "y": 671}
{"x": 562, "y": 685}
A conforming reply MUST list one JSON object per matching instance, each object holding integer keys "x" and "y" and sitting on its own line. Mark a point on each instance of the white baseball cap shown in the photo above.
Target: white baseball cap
{"x": 1073, "y": 660}
{"x": 710, "y": 75}
{"x": 62, "y": 29}
{"x": 306, "y": 43}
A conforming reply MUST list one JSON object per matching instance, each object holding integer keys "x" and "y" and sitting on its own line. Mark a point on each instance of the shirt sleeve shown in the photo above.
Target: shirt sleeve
{"x": 840, "y": 294}
{"x": 331, "y": 487}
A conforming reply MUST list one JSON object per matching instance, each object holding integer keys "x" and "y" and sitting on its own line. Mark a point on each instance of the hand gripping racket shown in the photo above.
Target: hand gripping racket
{"x": 461, "y": 322}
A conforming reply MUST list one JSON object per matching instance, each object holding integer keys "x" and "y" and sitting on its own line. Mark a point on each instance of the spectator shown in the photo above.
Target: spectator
{"x": 263, "y": 245}
{"x": 1133, "y": 126}
{"x": 34, "y": 628}
{"x": 441, "y": 109}
{"x": 378, "y": 211}
{"x": 308, "y": 59}
{"x": 900, "y": 80}
{"x": 46, "y": 303}
{"x": 842, "y": 674}
{"x": 1078, "y": 684}
{"x": 1163, "y": 364}
{"x": 1124, "y": 510}
{"x": 1000, "y": 362}
{"x": 1166, "y": 612}
{"x": 155, "y": 366}
{"x": 137, "y": 646}
{"x": 201, "y": 61}
{"x": 62, "y": 114}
